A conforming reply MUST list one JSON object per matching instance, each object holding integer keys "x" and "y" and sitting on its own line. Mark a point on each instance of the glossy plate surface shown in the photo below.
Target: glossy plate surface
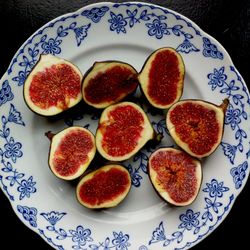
{"x": 128, "y": 32}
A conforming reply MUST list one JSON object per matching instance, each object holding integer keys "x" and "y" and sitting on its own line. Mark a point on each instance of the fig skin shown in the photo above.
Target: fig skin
{"x": 55, "y": 139}
{"x": 100, "y": 67}
{"x": 163, "y": 194}
{"x": 220, "y": 118}
{"x": 109, "y": 203}
{"x": 47, "y": 61}
{"x": 147, "y": 134}
{"x": 143, "y": 78}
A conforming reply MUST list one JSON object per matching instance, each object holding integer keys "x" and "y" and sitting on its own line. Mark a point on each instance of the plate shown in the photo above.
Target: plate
{"x": 128, "y": 32}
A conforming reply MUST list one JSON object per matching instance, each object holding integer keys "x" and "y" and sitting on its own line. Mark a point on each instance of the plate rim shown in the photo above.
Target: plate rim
{"x": 110, "y": 3}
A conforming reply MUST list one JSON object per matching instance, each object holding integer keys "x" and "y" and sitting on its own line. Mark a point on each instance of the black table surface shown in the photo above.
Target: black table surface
{"x": 227, "y": 21}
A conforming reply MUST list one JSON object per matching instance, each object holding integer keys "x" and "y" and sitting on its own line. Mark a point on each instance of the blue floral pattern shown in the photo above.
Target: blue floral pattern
{"x": 239, "y": 173}
{"x": 234, "y": 115}
{"x": 157, "y": 29}
{"x": 12, "y": 150}
{"x": 29, "y": 214}
{"x": 217, "y": 78}
{"x": 18, "y": 186}
{"x": 53, "y": 217}
{"x": 156, "y": 24}
{"x": 5, "y": 93}
{"x": 52, "y": 46}
{"x": 189, "y": 220}
{"x": 9, "y": 154}
{"x": 15, "y": 116}
{"x": 195, "y": 222}
{"x": 95, "y": 14}
{"x": 120, "y": 241}
{"x": 117, "y": 23}
{"x": 81, "y": 237}
{"x": 211, "y": 50}
{"x": 215, "y": 189}
{"x": 26, "y": 188}
{"x": 22, "y": 75}
{"x": 48, "y": 45}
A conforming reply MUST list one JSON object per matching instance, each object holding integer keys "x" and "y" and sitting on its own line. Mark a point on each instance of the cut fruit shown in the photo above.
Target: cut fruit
{"x": 108, "y": 82}
{"x": 123, "y": 130}
{"x": 175, "y": 175}
{"x": 162, "y": 77}
{"x": 105, "y": 187}
{"x": 54, "y": 85}
{"x": 71, "y": 152}
{"x": 197, "y": 126}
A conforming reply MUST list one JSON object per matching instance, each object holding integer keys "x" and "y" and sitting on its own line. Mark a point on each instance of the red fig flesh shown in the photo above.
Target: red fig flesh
{"x": 123, "y": 130}
{"x": 71, "y": 152}
{"x": 162, "y": 77}
{"x": 108, "y": 82}
{"x": 175, "y": 175}
{"x": 105, "y": 187}
{"x": 197, "y": 126}
{"x": 53, "y": 86}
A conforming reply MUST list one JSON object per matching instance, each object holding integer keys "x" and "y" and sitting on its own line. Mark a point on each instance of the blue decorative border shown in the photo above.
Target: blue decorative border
{"x": 81, "y": 237}
{"x": 157, "y": 27}
{"x": 9, "y": 154}
{"x": 196, "y": 222}
{"x": 235, "y": 90}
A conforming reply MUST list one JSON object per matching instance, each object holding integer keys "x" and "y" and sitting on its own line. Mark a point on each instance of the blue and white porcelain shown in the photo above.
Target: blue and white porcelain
{"x": 128, "y": 32}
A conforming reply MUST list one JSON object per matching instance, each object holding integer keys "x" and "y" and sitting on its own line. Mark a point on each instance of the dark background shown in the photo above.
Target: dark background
{"x": 227, "y": 21}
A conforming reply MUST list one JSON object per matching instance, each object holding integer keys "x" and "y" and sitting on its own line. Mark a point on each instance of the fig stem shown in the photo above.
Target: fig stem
{"x": 49, "y": 135}
{"x": 224, "y": 104}
{"x": 157, "y": 137}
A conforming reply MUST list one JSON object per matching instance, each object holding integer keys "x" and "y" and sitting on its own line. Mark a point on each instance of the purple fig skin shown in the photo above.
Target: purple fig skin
{"x": 96, "y": 170}
{"x": 146, "y": 132}
{"x": 223, "y": 106}
{"x": 50, "y": 136}
{"x": 157, "y": 192}
{"x": 63, "y": 111}
{"x": 127, "y": 96}
{"x": 147, "y": 99}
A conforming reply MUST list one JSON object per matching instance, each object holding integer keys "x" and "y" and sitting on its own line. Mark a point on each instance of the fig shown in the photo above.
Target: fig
{"x": 123, "y": 130}
{"x": 105, "y": 187}
{"x": 175, "y": 175}
{"x": 197, "y": 126}
{"x": 54, "y": 85}
{"x": 71, "y": 152}
{"x": 108, "y": 82}
{"x": 162, "y": 77}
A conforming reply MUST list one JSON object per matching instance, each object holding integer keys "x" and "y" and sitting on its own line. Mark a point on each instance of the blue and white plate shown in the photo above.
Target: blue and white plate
{"x": 128, "y": 32}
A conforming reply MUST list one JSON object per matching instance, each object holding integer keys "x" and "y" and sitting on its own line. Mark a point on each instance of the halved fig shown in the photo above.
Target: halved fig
{"x": 54, "y": 85}
{"x": 108, "y": 82}
{"x": 105, "y": 187}
{"x": 162, "y": 77}
{"x": 71, "y": 152}
{"x": 175, "y": 175}
{"x": 197, "y": 126}
{"x": 123, "y": 130}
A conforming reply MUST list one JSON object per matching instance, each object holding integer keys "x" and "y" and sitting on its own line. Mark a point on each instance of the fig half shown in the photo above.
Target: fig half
{"x": 175, "y": 175}
{"x": 123, "y": 130}
{"x": 71, "y": 152}
{"x": 105, "y": 187}
{"x": 197, "y": 126}
{"x": 162, "y": 78}
{"x": 108, "y": 82}
{"x": 54, "y": 85}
